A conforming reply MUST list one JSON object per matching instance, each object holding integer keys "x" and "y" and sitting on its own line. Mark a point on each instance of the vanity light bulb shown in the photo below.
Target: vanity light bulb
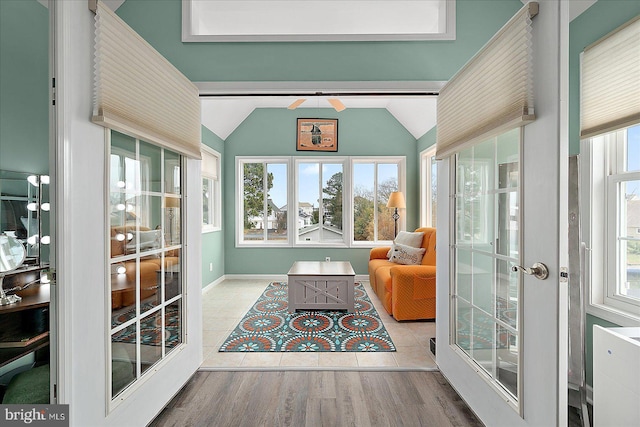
{"x": 45, "y": 240}
{"x": 32, "y": 206}
{"x": 120, "y": 184}
{"x": 33, "y": 239}
{"x": 120, "y": 206}
{"x": 44, "y": 179}
{"x": 120, "y": 237}
{"x": 44, "y": 278}
{"x": 46, "y": 207}
{"x": 33, "y": 180}
{"x": 129, "y": 236}
{"x": 130, "y": 208}
{"x": 121, "y": 270}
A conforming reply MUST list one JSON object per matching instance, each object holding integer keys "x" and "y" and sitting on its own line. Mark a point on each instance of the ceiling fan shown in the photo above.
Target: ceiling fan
{"x": 335, "y": 103}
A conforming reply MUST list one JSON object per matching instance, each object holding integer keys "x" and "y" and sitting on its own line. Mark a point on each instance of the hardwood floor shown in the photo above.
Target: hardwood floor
{"x": 316, "y": 398}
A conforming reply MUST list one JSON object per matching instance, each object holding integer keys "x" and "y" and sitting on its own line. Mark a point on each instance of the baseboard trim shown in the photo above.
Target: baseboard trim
{"x": 276, "y": 277}
{"x": 319, "y": 368}
{"x": 213, "y": 284}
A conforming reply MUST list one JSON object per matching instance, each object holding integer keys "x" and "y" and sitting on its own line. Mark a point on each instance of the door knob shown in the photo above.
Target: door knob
{"x": 539, "y": 270}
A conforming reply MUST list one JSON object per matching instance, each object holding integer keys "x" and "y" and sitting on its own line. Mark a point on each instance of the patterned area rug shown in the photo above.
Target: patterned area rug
{"x": 149, "y": 327}
{"x": 268, "y": 326}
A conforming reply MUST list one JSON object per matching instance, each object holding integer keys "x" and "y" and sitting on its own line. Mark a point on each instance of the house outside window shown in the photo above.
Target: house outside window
{"x": 211, "y": 190}
{"x": 612, "y": 196}
{"x": 327, "y": 201}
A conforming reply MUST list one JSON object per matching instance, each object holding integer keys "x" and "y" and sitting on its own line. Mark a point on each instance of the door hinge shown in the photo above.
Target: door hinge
{"x": 564, "y": 274}
{"x": 52, "y": 276}
{"x": 53, "y": 91}
{"x": 55, "y": 391}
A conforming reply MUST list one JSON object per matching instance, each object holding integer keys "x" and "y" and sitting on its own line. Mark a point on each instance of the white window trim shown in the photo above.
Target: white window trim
{"x": 217, "y": 201}
{"x": 426, "y": 187}
{"x": 346, "y": 207}
{"x": 401, "y": 161}
{"x": 292, "y": 163}
{"x": 594, "y": 194}
{"x": 240, "y": 242}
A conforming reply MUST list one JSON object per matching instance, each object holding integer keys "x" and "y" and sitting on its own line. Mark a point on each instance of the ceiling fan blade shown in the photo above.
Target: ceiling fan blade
{"x": 296, "y": 103}
{"x": 337, "y": 104}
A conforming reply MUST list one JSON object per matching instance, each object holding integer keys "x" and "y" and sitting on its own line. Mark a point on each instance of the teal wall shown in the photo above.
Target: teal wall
{"x": 427, "y": 140}
{"x": 213, "y": 242}
{"x": 159, "y": 22}
{"x": 271, "y": 132}
{"x": 600, "y": 19}
{"x": 597, "y": 21}
{"x": 24, "y": 82}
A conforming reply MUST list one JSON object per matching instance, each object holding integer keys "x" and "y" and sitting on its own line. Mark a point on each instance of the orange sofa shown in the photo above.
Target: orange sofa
{"x": 123, "y": 286}
{"x": 407, "y": 292}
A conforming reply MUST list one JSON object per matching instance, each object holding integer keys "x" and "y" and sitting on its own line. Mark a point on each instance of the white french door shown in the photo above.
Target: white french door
{"x": 501, "y": 333}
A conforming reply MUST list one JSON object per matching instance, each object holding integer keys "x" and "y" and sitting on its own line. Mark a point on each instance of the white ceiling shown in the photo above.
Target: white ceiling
{"x": 222, "y": 115}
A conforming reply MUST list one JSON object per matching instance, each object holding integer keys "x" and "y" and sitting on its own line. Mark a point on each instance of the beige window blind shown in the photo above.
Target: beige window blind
{"x": 209, "y": 165}
{"x": 610, "y": 88}
{"x": 137, "y": 91}
{"x": 493, "y": 92}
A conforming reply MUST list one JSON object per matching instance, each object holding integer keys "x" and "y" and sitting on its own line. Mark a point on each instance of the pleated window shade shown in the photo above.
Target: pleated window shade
{"x": 610, "y": 88}
{"x": 493, "y": 92}
{"x": 137, "y": 91}
{"x": 209, "y": 165}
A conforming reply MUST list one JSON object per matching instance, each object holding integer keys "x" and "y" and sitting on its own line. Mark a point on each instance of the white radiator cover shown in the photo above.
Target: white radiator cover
{"x": 616, "y": 376}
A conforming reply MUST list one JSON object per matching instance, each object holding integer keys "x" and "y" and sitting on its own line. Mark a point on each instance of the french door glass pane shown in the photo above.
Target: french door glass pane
{"x": 487, "y": 242}
{"x": 145, "y": 203}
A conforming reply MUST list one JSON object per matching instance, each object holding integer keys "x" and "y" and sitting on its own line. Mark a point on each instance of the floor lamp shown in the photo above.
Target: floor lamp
{"x": 170, "y": 203}
{"x": 396, "y": 200}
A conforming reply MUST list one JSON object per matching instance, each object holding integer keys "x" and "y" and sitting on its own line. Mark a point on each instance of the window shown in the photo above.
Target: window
{"x": 145, "y": 259}
{"x": 373, "y": 182}
{"x": 614, "y": 202}
{"x": 263, "y": 201}
{"x": 428, "y": 187}
{"x": 211, "y": 190}
{"x": 317, "y": 201}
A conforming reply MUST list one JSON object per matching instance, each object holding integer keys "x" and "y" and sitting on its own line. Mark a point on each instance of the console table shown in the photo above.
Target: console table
{"x": 321, "y": 285}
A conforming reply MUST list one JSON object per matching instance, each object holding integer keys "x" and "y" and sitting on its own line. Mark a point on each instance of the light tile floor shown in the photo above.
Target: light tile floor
{"x": 225, "y": 304}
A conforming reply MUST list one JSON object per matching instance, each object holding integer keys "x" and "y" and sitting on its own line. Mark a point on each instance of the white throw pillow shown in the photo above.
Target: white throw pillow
{"x": 403, "y": 254}
{"x": 407, "y": 238}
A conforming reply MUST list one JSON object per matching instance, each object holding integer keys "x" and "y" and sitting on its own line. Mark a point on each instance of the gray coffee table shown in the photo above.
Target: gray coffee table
{"x": 321, "y": 285}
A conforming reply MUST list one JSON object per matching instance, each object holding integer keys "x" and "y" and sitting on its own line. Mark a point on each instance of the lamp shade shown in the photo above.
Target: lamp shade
{"x": 396, "y": 200}
{"x": 171, "y": 202}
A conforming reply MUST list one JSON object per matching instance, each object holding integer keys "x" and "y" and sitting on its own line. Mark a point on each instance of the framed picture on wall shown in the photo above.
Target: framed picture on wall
{"x": 317, "y": 135}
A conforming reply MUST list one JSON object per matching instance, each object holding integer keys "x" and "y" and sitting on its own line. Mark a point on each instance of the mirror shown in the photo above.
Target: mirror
{"x": 24, "y": 213}
{"x": 12, "y": 255}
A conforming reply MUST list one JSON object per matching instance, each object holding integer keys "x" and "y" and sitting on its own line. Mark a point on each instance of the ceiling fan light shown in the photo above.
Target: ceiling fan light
{"x": 336, "y": 104}
{"x": 296, "y": 103}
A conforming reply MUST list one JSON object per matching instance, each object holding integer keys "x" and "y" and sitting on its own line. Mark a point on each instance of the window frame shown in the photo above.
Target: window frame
{"x": 427, "y": 156}
{"x": 602, "y": 159}
{"x": 215, "y": 202}
{"x": 292, "y": 163}
{"x": 239, "y": 196}
{"x": 320, "y": 160}
{"x": 401, "y": 162}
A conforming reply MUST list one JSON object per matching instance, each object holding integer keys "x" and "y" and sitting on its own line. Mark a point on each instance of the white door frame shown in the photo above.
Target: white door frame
{"x": 545, "y": 305}
{"x": 81, "y": 247}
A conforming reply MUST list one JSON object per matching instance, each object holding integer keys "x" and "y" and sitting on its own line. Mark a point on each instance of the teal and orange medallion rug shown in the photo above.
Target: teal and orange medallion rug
{"x": 268, "y": 326}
